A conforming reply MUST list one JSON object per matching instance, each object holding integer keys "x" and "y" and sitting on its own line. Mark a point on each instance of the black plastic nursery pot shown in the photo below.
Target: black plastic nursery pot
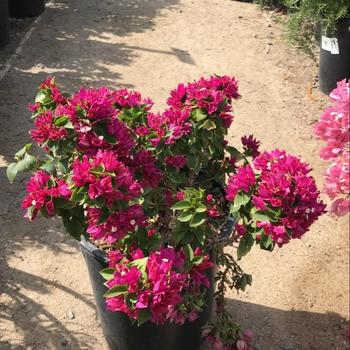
{"x": 4, "y": 23}
{"x": 122, "y": 334}
{"x": 335, "y": 57}
{"x": 26, "y": 8}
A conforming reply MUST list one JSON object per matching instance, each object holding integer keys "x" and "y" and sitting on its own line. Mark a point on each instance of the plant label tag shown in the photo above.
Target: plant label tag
{"x": 330, "y": 44}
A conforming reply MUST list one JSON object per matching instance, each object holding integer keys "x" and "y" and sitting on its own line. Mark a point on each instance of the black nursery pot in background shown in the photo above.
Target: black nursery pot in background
{"x": 335, "y": 57}
{"x": 121, "y": 334}
{"x": 26, "y": 8}
{"x": 4, "y": 23}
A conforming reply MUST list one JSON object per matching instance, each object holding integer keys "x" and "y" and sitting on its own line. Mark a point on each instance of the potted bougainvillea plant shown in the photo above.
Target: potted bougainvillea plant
{"x": 154, "y": 198}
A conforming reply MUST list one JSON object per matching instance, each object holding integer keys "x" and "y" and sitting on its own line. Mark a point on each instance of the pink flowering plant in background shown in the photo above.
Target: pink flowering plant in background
{"x": 158, "y": 191}
{"x": 334, "y": 128}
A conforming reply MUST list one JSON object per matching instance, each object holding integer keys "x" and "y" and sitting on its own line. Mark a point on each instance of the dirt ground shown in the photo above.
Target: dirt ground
{"x": 300, "y": 294}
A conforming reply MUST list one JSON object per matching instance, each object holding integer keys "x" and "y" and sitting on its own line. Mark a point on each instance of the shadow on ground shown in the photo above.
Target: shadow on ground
{"x": 290, "y": 330}
{"x": 81, "y": 43}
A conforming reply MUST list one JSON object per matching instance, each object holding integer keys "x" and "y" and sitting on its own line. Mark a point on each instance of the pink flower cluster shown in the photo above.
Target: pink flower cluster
{"x": 250, "y": 145}
{"x": 54, "y": 92}
{"x": 334, "y": 129}
{"x": 105, "y": 177}
{"x": 242, "y": 181}
{"x": 41, "y": 190}
{"x": 212, "y": 95}
{"x": 207, "y": 94}
{"x": 161, "y": 288}
{"x": 45, "y": 129}
{"x": 116, "y": 225}
{"x": 282, "y": 189}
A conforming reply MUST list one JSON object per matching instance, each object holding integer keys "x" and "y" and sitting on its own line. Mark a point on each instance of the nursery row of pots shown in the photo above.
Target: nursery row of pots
{"x": 17, "y": 9}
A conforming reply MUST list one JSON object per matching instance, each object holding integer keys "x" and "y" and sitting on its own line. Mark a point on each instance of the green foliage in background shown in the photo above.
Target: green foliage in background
{"x": 307, "y": 17}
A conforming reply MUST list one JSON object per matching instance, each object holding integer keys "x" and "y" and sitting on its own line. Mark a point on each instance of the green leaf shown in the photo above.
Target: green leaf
{"x": 245, "y": 245}
{"x": 199, "y": 115}
{"x": 201, "y": 208}
{"x": 107, "y": 273}
{"x": 189, "y": 252}
{"x": 78, "y": 194}
{"x": 200, "y": 235}
{"x": 197, "y": 260}
{"x": 40, "y": 96}
{"x": 209, "y": 125}
{"x": 181, "y": 205}
{"x": 192, "y": 161}
{"x": 62, "y": 169}
{"x": 141, "y": 264}
{"x": 185, "y": 216}
{"x": 61, "y": 121}
{"x": 69, "y": 125}
{"x": 260, "y": 216}
{"x": 11, "y": 171}
{"x": 49, "y": 167}
{"x": 63, "y": 203}
{"x": 101, "y": 131}
{"x": 240, "y": 199}
{"x": 116, "y": 291}
{"x": 26, "y": 163}
{"x": 234, "y": 152}
{"x": 30, "y": 212}
{"x": 267, "y": 243}
{"x": 179, "y": 234}
{"x": 73, "y": 226}
{"x": 198, "y": 219}
{"x": 143, "y": 316}
{"x": 19, "y": 155}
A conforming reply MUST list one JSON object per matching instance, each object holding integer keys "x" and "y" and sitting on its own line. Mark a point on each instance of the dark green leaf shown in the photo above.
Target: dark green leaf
{"x": 107, "y": 273}
{"x": 116, "y": 291}
{"x": 267, "y": 243}
{"x": 197, "y": 260}
{"x": 73, "y": 226}
{"x": 189, "y": 252}
{"x": 198, "y": 219}
{"x": 101, "y": 131}
{"x": 185, "y": 216}
{"x": 143, "y": 316}
{"x": 200, "y": 235}
{"x": 245, "y": 245}
{"x": 179, "y": 234}
{"x": 78, "y": 194}
{"x": 240, "y": 199}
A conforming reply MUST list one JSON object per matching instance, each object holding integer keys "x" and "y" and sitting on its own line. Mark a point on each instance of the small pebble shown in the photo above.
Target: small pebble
{"x": 71, "y": 314}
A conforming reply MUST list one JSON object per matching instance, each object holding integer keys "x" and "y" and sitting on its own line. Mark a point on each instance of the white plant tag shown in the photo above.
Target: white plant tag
{"x": 330, "y": 44}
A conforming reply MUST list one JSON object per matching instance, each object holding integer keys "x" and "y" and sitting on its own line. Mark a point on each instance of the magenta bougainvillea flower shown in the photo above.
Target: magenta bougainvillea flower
{"x": 160, "y": 191}
{"x": 283, "y": 193}
{"x": 334, "y": 129}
